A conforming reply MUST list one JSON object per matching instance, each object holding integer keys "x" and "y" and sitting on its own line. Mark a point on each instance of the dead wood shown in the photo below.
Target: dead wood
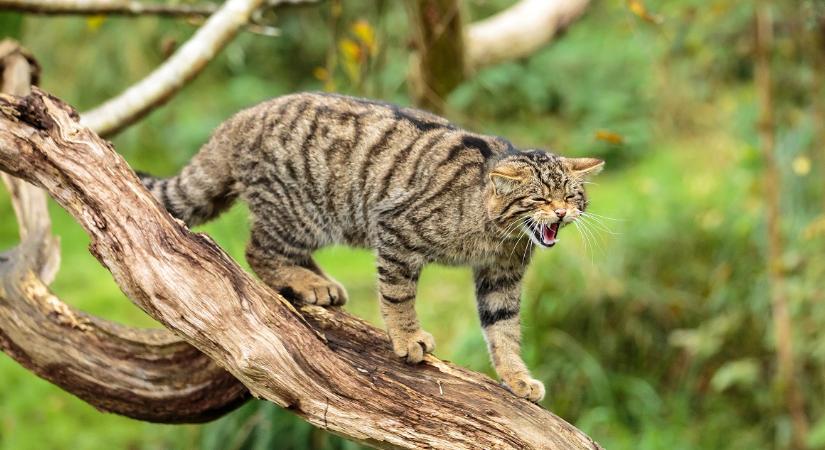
{"x": 334, "y": 370}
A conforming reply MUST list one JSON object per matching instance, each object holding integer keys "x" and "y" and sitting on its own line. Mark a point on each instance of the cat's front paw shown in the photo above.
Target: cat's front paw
{"x": 412, "y": 346}
{"x": 524, "y": 386}
{"x": 315, "y": 290}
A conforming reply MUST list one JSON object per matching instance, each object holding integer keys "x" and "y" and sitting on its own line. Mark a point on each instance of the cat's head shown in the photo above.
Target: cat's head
{"x": 538, "y": 193}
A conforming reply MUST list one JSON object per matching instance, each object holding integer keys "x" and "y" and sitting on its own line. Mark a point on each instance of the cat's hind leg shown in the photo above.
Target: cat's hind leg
{"x": 286, "y": 265}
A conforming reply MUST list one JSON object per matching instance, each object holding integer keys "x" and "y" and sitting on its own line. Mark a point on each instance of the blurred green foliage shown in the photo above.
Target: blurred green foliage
{"x": 654, "y": 332}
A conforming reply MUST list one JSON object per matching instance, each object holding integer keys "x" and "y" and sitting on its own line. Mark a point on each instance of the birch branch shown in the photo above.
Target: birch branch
{"x": 186, "y": 63}
{"x": 334, "y": 370}
{"x": 519, "y": 30}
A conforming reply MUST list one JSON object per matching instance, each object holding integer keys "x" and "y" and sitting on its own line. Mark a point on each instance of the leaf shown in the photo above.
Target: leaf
{"x": 801, "y": 165}
{"x": 814, "y": 229}
{"x": 93, "y": 23}
{"x": 742, "y": 372}
{"x": 350, "y": 49}
{"x": 366, "y": 34}
{"x": 609, "y": 137}
{"x": 320, "y": 73}
{"x": 640, "y": 10}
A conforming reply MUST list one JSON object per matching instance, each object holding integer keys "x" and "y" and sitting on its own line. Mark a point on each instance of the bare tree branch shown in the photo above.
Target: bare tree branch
{"x": 187, "y": 62}
{"x": 519, "y": 30}
{"x": 145, "y": 374}
{"x": 109, "y": 7}
{"x": 332, "y": 369}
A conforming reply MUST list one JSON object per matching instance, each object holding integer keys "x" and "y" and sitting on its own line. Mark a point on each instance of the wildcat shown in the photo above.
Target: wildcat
{"x": 319, "y": 169}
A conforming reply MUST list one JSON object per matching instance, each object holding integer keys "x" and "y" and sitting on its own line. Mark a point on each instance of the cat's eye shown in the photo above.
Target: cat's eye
{"x": 537, "y": 200}
{"x": 569, "y": 197}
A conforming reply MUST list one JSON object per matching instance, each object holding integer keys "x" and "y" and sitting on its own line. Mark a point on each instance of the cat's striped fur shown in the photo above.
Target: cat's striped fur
{"x": 320, "y": 169}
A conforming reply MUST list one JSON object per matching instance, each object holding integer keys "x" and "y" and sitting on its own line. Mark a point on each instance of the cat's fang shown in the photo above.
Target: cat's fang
{"x": 548, "y": 234}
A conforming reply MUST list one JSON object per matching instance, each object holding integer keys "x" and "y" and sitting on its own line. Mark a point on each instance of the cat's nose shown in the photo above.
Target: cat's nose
{"x": 561, "y": 213}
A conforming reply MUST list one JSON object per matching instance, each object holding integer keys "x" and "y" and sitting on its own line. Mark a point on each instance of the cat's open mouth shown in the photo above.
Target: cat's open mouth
{"x": 544, "y": 234}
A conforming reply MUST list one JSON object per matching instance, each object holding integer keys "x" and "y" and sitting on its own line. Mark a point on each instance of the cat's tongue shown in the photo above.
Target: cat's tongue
{"x": 548, "y": 234}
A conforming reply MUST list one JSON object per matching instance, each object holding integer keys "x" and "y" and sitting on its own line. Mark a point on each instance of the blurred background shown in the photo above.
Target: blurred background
{"x": 654, "y": 331}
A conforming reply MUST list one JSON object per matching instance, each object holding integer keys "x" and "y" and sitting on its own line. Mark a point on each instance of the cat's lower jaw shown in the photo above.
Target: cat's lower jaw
{"x": 412, "y": 346}
{"x": 522, "y": 385}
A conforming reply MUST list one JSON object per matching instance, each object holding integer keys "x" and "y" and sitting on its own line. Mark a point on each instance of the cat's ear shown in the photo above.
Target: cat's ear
{"x": 585, "y": 167}
{"x": 507, "y": 177}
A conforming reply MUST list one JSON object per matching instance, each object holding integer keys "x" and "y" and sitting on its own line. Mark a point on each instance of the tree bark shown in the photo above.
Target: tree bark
{"x": 332, "y": 369}
{"x": 437, "y": 65}
{"x": 520, "y": 30}
{"x": 446, "y": 50}
{"x": 150, "y": 375}
{"x": 786, "y": 373}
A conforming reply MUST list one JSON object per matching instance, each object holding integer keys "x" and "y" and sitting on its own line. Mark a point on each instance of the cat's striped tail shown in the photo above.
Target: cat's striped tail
{"x": 202, "y": 190}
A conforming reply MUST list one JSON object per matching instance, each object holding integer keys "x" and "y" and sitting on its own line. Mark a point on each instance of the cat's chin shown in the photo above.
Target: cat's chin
{"x": 545, "y": 235}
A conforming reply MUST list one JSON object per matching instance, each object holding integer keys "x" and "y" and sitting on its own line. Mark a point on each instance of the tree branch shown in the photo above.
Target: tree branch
{"x": 145, "y": 374}
{"x": 519, "y": 30}
{"x": 108, "y": 7}
{"x": 332, "y": 369}
{"x": 437, "y": 67}
{"x": 447, "y": 51}
{"x": 187, "y": 62}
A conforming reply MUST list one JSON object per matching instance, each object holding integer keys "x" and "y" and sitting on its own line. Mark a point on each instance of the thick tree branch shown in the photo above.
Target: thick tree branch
{"x": 146, "y": 374}
{"x": 437, "y": 66}
{"x": 519, "y": 30}
{"x": 447, "y": 51}
{"x": 334, "y": 370}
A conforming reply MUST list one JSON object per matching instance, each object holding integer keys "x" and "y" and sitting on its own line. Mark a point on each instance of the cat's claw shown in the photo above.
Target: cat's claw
{"x": 413, "y": 346}
{"x": 522, "y": 385}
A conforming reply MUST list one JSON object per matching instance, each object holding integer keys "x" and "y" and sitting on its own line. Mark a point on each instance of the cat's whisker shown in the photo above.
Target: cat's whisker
{"x": 585, "y": 240}
{"x": 515, "y": 246}
{"x": 529, "y": 248}
{"x": 596, "y": 240}
{"x": 592, "y": 239}
{"x": 604, "y": 217}
{"x": 519, "y": 221}
{"x": 506, "y": 233}
{"x": 601, "y": 226}
{"x": 598, "y": 218}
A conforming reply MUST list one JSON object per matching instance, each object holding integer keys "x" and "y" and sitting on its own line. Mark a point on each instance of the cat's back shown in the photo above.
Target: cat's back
{"x": 337, "y": 157}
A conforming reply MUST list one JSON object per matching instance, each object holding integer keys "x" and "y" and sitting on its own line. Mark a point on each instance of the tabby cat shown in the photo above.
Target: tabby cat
{"x": 320, "y": 169}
